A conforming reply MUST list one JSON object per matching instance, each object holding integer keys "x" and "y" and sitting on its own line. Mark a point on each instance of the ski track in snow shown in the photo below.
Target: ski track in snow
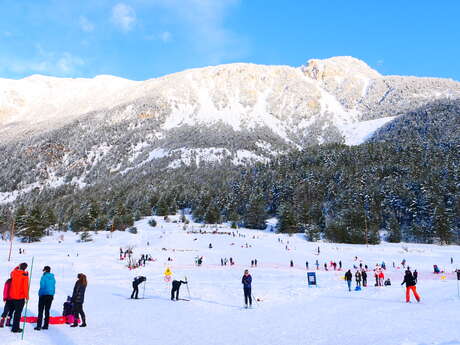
{"x": 289, "y": 313}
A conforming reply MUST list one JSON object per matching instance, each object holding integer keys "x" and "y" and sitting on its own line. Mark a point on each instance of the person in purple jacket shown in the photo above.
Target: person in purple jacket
{"x": 246, "y": 281}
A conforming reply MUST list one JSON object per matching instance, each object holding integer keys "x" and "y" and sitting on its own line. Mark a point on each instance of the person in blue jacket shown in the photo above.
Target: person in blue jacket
{"x": 45, "y": 297}
{"x": 246, "y": 281}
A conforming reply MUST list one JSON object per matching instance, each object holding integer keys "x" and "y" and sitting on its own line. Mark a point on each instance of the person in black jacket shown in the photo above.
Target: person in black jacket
{"x": 136, "y": 282}
{"x": 246, "y": 280}
{"x": 348, "y": 278}
{"x": 364, "y": 276}
{"x": 78, "y": 297}
{"x": 175, "y": 289}
{"x": 410, "y": 286}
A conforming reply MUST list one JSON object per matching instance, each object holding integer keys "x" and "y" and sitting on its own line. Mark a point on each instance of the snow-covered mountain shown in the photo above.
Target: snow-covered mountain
{"x": 55, "y": 131}
{"x": 332, "y": 93}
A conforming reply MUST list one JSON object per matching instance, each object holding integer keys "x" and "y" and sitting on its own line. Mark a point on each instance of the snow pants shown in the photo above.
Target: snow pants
{"x": 349, "y": 285}
{"x": 174, "y": 294}
{"x": 18, "y": 305}
{"x": 414, "y": 291}
{"x": 247, "y": 295}
{"x": 8, "y": 310}
{"x": 78, "y": 311}
{"x": 135, "y": 293}
{"x": 44, "y": 304}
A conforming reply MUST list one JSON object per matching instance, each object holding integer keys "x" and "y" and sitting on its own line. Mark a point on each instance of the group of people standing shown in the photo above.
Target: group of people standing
{"x": 16, "y": 293}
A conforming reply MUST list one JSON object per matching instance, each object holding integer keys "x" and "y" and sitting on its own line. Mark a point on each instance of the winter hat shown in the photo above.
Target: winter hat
{"x": 47, "y": 269}
{"x": 23, "y": 266}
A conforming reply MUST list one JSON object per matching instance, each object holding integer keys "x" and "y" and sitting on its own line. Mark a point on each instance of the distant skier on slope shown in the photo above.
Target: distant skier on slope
{"x": 348, "y": 278}
{"x": 364, "y": 276}
{"x": 410, "y": 286}
{"x": 247, "y": 282}
{"x": 358, "y": 278}
{"x": 175, "y": 289}
{"x": 136, "y": 282}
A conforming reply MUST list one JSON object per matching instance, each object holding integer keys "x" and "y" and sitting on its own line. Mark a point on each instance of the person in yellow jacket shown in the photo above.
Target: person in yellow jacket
{"x": 19, "y": 292}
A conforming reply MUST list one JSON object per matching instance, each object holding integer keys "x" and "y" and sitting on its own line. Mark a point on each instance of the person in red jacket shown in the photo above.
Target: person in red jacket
{"x": 8, "y": 309}
{"x": 19, "y": 292}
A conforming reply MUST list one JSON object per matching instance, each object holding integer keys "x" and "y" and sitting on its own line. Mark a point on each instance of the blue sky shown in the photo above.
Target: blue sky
{"x": 141, "y": 39}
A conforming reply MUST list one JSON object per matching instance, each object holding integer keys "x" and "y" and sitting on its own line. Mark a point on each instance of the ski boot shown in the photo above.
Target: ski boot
{"x": 8, "y": 322}
{"x": 2, "y": 322}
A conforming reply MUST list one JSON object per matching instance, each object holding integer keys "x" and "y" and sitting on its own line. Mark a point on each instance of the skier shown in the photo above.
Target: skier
{"x": 46, "y": 295}
{"x": 415, "y": 276}
{"x": 78, "y": 297}
{"x": 317, "y": 265}
{"x": 451, "y": 260}
{"x": 8, "y": 309}
{"x": 358, "y": 278}
{"x": 210, "y": 246}
{"x": 221, "y": 261}
{"x": 325, "y": 266}
{"x": 255, "y": 262}
{"x": 403, "y": 263}
{"x": 19, "y": 292}
{"x": 252, "y": 263}
{"x": 175, "y": 288}
{"x": 364, "y": 276}
{"x": 348, "y": 278}
{"x": 340, "y": 265}
{"x": 292, "y": 263}
{"x": 306, "y": 264}
{"x": 410, "y": 286}
{"x": 136, "y": 282}
{"x": 247, "y": 281}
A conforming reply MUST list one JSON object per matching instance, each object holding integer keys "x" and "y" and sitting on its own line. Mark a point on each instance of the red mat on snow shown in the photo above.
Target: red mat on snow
{"x": 54, "y": 320}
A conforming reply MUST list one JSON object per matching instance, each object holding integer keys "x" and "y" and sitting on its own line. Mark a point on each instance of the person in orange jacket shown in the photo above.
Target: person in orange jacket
{"x": 19, "y": 292}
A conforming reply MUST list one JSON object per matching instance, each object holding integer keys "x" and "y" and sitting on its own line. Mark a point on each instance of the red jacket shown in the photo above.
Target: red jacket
{"x": 6, "y": 290}
{"x": 19, "y": 284}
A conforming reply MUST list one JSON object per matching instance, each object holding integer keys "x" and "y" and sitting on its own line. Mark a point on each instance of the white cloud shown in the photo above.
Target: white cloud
{"x": 85, "y": 24}
{"x": 205, "y": 22}
{"x": 123, "y": 16}
{"x": 67, "y": 63}
{"x": 53, "y": 63}
{"x": 166, "y": 36}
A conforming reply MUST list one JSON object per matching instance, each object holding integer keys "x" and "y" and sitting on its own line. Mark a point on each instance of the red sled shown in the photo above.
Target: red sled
{"x": 57, "y": 320}
{"x": 54, "y": 320}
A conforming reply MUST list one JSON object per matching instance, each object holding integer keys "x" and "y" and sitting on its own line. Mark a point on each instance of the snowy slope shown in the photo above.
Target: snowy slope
{"x": 289, "y": 312}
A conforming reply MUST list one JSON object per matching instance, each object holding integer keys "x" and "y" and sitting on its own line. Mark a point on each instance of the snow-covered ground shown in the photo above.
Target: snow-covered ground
{"x": 289, "y": 312}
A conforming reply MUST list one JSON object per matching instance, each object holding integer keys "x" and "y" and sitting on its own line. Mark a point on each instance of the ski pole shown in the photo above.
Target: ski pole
{"x": 255, "y": 299}
{"x": 188, "y": 290}
{"x": 27, "y": 301}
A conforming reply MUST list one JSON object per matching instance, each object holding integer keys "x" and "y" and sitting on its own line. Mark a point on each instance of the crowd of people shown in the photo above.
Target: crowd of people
{"x": 16, "y": 293}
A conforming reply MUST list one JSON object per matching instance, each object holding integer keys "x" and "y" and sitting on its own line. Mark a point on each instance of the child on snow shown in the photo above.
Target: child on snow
{"x": 9, "y": 307}
{"x": 67, "y": 311}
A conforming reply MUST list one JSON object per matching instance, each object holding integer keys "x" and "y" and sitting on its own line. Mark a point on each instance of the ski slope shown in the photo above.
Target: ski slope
{"x": 289, "y": 312}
